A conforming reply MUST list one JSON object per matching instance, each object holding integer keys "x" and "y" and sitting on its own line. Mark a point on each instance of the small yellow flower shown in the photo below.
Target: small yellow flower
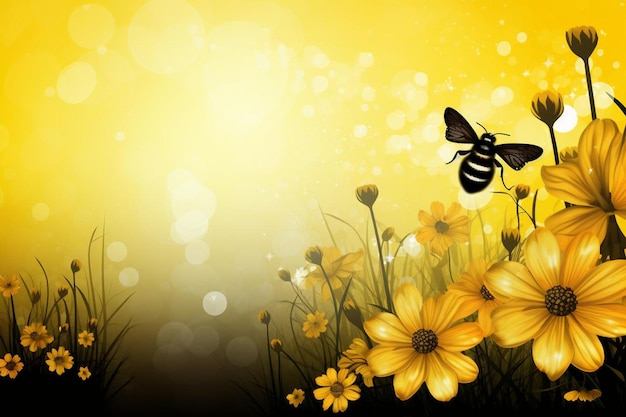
{"x": 276, "y": 345}
{"x": 367, "y": 194}
{"x": 547, "y": 106}
{"x": 10, "y": 365}
{"x": 296, "y": 397}
{"x": 35, "y": 336}
{"x": 441, "y": 228}
{"x": 336, "y": 389}
{"x": 314, "y": 325}
{"x": 9, "y": 285}
{"x": 264, "y": 317}
{"x": 583, "y": 395}
{"x": 85, "y": 338}
{"x": 355, "y": 359}
{"x": 84, "y": 373}
{"x": 59, "y": 360}
{"x": 582, "y": 40}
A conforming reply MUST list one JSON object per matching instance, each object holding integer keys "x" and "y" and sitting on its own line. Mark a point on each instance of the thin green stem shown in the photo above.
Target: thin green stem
{"x": 382, "y": 261}
{"x": 269, "y": 358}
{"x": 337, "y": 317}
{"x": 592, "y": 104}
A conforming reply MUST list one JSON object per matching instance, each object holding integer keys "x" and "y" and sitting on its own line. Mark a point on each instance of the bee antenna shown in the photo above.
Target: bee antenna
{"x": 481, "y": 126}
{"x": 500, "y": 133}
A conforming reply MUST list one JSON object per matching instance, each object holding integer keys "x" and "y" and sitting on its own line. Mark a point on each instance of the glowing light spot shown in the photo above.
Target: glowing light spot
{"x": 116, "y": 251}
{"x": 396, "y": 119}
{"x": 446, "y": 152}
{"x": 397, "y": 143}
{"x": 601, "y": 95}
{"x": 76, "y": 82}
{"x": 616, "y": 65}
{"x": 189, "y": 226}
{"x": 174, "y": 333}
{"x": 522, "y": 37}
{"x": 319, "y": 84}
{"x": 411, "y": 246}
{"x": 475, "y": 201}
{"x": 129, "y": 277}
{"x": 487, "y": 229}
{"x": 241, "y": 351}
{"x": 359, "y": 131}
{"x": 543, "y": 85}
{"x": 41, "y": 211}
{"x": 430, "y": 133}
{"x": 501, "y": 96}
{"x": 377, "y": 171}
{"x": 205, "y": 341}
{"x": 214, "y": 303}
{"x": 120, "y": 136}
{"x": 503, "y": 48}
{"x": 91, "y": 26}
{"x": 197, "y": 252}
{"x": 368, "y": 93}
{"x": 166, "y": 36}
{"x": 420, "y": 78}
{"x": 320, "y": 60}
{"x": 579, "y": 66}
{"x": 568, "y": 119}
{"x": 289, "y": 243}
{"x": 308, "y": 111}
{"x": 366, "y": 59}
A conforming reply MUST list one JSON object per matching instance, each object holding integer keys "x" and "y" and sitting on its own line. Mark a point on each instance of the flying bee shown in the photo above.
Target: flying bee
{"x": 479, "y": 165}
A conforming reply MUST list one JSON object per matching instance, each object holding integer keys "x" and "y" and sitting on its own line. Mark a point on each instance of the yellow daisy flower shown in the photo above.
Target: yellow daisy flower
{"x": 86, "y": 338}
{"x": 354, "y": 359}
{"x": 9, "y": 285}
{"x": 337, "y": 267}
{"x": 84, "y": 373}
{"x": 594, "y": 183}
{"x": 583, "y": 395}
{"x": 441, "y": 228}
{"x": 296, "y": 397}
{"x": 59, "y": 360}
{"x": 423, "y": 342}
{"x": 562, "y": 300}
{"x": 475, "y": 295}
{"x": 336, "y": 389}
{"x": 10, "y": 365}
{"x": 35, "y": 336}
{"x": 314, "y": 325}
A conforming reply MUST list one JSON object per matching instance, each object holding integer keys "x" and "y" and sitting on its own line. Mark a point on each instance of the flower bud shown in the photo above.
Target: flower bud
{"x": 547, "y": 106}
{"x": 388, "y": 234}
{"x": 76, "y": 265}
{"x": 353, "y": 313}
{"x": 63, "y": 290}
{"x": 35, "y": 295}
{"x": 284, "y": 275}
{"x": 367, "y": 194}
{"x": 93, "y": 324}
{"x": 64, "y": 328}
{"x": 522, "y": 191}
{"x": 276, "y": 345}
{"x": 510, "y": 238}
{"x": 582, "y": 40}
{"x": 264, "y": 317}
{"x": 314, "y": 255}
{"x": 569, "y": 153}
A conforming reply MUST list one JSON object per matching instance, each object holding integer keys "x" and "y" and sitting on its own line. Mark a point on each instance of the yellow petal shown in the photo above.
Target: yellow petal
{"x": 408, "y": 381}
{"x": 441, "y": 379}
{"x": 553, "y": 350}
{"x": 580, "y": 257}
{"x": 588, "y": 351}
{"x": 460, "y": 337}
{"x": 517, "y": 322}
{"x": 407, "y": 301}
{"x": 604, "y": 284}
{"x": 608, "y": 320}
{"x": 576, "y": 219}
{"x": 567, "y": 183}
{"x": 385, "y": 360}
{"x": 321, "y": 393}
{"x": 352, "y": 393}
{"x": 510, "y": 279}
{"x": 328, "y": 401}
{"x": 340, "y": 404}
{"x": 425, "y": 234}
{"x": 386, "y": 327}
{"x": 426, "y": 219}
{"x": 465, "y": 368}
{"x": 437, "y": 209}
{"x": 543, "y": 258}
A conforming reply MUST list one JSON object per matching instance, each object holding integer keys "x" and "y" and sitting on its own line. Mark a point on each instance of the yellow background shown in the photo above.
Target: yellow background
{"x": 206, "y": 136}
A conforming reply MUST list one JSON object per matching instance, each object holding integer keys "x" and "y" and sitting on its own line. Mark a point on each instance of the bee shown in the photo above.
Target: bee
{"x": 479, "y": 165}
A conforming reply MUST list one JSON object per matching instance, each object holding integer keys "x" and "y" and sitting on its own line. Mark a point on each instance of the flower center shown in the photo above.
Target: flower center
{"x": 486, "y": 294}
{"x": 441, "y": 227}
{"x": 560, "y": 301}
{"x": 336, "y": 389}
{"x": 10, "y": 366}
{"x": 424, "y": 341}
{"x": 34, "y": 336}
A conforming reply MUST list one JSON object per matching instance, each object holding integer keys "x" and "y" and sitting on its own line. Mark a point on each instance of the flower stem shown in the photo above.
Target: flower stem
{"x": 382, "y": 261}
{"x": 592, "y": 104}
{"x": 335, "y": 306}
{"x": 269, "y": 357}
{"x": 555, "y": 149}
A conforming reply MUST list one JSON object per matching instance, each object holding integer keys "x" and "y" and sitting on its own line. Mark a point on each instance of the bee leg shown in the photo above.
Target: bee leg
{"x": 459, "y": 153}
{"x": 499, "y": 165}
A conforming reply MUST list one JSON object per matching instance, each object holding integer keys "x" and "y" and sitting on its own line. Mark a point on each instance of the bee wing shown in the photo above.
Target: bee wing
{"x": 458, "y": 129}
{"x": 516, "y": 155}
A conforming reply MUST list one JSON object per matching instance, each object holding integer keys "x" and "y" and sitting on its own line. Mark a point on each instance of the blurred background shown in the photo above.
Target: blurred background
{"x": 205, "y": 138}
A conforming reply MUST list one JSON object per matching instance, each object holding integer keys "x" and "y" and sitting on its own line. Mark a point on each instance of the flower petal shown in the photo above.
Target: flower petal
{"x": 518, "y": 321}
{"x": 441, "y": 379}
{"x": 604, "y": 284}
{"x": 507, "y": 279}
{"x": 573, "y": 220}
{"x": 588, "y": 351}
{"x": 408, "y": 381}
{"x": 385, "y": 327}
{"x": 543, "y": 258}
{"x": 407, "y": 301}
{"x": 464, "y": 366}
{"x": 608, "y": 320}
{"x": 566, "y": 182}
{"x": 385, "y": 360}
{"x": 460, "y": 337}
{"x": 580, "y": 257}
{"x": 552, "y": 350}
